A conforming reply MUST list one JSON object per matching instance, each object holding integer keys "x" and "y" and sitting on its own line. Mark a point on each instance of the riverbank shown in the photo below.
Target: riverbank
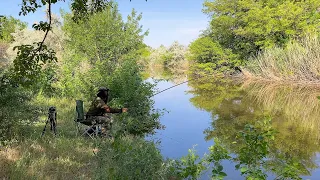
{"x": 229, "y": 107}
{"x": 70, "y": 156}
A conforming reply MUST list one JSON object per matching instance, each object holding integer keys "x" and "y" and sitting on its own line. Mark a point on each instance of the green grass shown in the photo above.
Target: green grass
{"x": 64, "y": 157}
{"x": 69, "y": 156}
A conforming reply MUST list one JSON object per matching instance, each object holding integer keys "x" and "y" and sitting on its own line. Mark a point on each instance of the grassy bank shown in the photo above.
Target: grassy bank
{"x": 299, "y": 62}
{"x": 64, "y": 157}
{"x": 79, "y": 72}
{"x": 69, "y": 156}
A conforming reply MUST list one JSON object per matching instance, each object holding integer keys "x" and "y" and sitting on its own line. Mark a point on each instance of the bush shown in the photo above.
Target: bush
{"x": 16, "y": 111}
{"x": 248, "y": 27}
{"x": 128, "y": 89}
{"x": 130, "y": 158}
{"x": 108, "y": 56}
{"x": 211, "y": 56}
{"x": 89, "y": 61}
{"x": 174, "y": 58}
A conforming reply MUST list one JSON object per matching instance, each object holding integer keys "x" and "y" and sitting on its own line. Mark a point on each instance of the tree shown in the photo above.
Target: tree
{"x": 107, "y": 39}
{"x": 107, "y": 42}
{"x": 177, "y": 55}
{"x": 8, "y": 25}
{"x": 205, "y": 50}
{"x": 103, "y": 51}
{"x": 30, "y": 58}
{"x": 247, "y": 26}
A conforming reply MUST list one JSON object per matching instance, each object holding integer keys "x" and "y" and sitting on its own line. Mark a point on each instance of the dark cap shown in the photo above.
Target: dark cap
{"x": 103, "y": 89}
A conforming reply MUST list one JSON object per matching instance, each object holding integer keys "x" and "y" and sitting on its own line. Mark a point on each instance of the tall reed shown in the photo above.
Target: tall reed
{"x": 299, "y": 61}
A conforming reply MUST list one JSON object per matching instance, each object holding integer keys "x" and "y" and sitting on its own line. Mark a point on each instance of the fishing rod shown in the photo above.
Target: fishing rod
{"x": 177, "y": 85}
{"x": 170, "y": 88}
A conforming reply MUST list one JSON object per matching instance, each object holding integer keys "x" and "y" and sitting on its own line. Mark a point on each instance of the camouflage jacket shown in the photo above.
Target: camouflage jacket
{"x": 99, "y": 108}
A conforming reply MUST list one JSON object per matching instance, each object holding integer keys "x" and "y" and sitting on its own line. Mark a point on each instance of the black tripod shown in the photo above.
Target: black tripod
{"x": 52, "y": 118}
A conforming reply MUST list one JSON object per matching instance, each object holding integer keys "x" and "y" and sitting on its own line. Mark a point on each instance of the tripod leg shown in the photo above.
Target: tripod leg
{"x": 44, "y": 129}
{"x": 53, "y": 124}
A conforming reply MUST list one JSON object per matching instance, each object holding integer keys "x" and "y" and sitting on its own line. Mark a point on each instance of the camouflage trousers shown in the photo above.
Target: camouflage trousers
{"x": 106, "y": 122}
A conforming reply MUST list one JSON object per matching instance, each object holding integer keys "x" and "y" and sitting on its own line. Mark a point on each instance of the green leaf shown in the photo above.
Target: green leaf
{"x": 243, "y": 170}
{"x": 41, "y": 26}
{"x": 222, "y": 174}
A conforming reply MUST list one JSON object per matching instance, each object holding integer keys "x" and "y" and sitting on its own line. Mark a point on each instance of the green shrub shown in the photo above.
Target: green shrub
{"x": 130, "y": 158}
{"x": 128, "y": 89}
{"x": 210, "y": 56}
{"x": 190, "y": 166}
{"x": 247, "y": 27}
{"x": 173, "y": 58}
{"x": 16, "y": 111}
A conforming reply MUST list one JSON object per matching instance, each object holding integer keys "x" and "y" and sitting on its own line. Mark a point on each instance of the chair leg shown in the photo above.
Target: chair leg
{"x": 95, "y": 128}
{"x": 98, "y": 128}
{"x": 95, "y": 133}
{"x": 86, "y": 132}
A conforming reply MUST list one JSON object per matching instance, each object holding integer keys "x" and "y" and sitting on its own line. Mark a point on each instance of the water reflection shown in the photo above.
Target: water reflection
{"x": 163, "y": 73}
{"x": 295, "y": 112}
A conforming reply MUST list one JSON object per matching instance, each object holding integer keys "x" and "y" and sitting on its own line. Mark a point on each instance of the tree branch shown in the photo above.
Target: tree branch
{"x": 49, "y": 27}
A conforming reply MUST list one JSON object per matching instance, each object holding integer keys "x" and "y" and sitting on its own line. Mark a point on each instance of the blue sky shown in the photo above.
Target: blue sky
{"x": 167, "y": 20}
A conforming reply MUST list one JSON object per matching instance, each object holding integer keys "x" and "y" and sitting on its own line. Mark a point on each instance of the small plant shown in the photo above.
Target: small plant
{"x": 191, "y": 166}
{"x": 217, "y": 154}
{"x": 255, "y": 141}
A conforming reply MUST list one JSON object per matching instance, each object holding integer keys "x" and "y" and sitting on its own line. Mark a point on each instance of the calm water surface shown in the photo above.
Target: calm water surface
{"x": 200, "y": 111}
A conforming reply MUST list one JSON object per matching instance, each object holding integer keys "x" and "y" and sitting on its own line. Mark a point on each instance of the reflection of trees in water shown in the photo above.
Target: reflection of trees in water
{"x": 299, "y": 104}
{"x": 209, "y": 93}
{"x": 163, "y": 73}
{"x": 295, "y": 113}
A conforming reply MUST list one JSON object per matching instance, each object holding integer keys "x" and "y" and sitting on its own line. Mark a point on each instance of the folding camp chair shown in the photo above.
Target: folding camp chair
{"x": 92, "y": 130}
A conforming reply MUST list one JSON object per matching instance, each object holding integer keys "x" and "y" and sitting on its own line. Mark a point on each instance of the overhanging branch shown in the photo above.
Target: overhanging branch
{"x": 48, "y": 28}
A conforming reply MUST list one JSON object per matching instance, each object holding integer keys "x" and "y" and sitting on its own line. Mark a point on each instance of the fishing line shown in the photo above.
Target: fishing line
{"x": 172, "y": 139}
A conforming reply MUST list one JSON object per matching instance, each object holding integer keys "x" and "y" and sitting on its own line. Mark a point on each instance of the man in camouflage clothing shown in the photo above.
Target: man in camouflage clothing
{"x": 99, "y": 111}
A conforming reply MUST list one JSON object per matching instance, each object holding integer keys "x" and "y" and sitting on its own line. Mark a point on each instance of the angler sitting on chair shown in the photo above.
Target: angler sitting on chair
{"x": 99, "y": 111}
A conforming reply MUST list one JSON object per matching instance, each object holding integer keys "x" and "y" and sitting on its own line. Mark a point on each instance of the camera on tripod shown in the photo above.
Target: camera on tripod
{"x": 52, "y": 109}
{"x": 52, "y": 119}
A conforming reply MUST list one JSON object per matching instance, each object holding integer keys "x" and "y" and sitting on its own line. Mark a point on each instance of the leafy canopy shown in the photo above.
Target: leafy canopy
{"x": 38, "y": 54}
{"x": 245, "y": 27}
{"x": 103, "y": 51}
{"x": 8, "y": 25}
{"x": 205, "y": 50}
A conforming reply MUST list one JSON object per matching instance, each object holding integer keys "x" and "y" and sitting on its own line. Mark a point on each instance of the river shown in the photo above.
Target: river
{"x": 200, "y": 111}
